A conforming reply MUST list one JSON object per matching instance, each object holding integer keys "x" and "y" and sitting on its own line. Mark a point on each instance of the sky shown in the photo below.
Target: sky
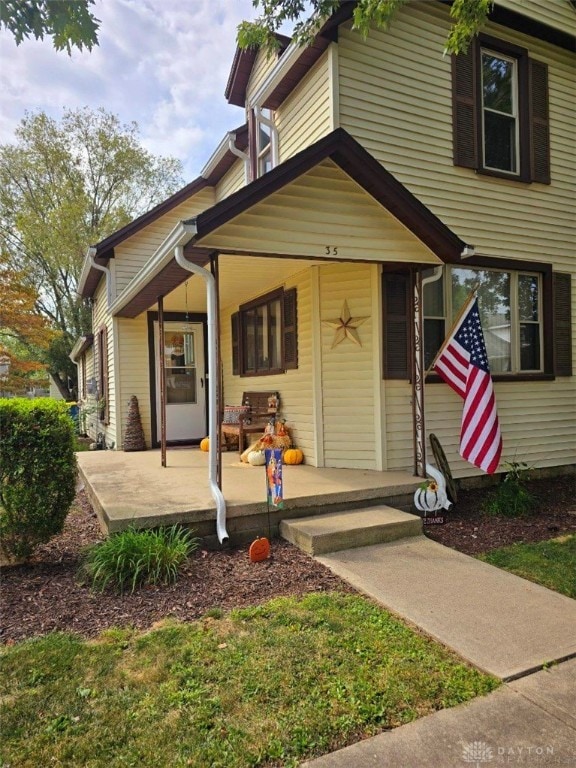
{"x": 161, "y": 63}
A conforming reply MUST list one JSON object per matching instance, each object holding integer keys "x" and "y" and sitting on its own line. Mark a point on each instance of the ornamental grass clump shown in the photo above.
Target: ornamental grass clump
{"x": 135, "y": 558}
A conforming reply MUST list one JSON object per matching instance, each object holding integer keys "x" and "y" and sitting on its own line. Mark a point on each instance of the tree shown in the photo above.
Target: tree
{"x": 64, "y": 186}
{"x": 23, "y": 331}
{"x": 68, "y": 22}
{"x": 468, "y": 17}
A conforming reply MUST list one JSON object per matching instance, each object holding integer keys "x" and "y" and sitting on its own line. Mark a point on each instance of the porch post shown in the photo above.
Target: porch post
{"x": 418, "y": 375}
{"x": 219, "y": 394}
{"x": 162, "y": 380}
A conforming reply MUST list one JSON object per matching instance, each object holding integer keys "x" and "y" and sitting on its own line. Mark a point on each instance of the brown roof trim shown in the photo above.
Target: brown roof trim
{"x": 242, "y": 64}
{"x": 537, "y": 29}
{"x": 354, "y": 160}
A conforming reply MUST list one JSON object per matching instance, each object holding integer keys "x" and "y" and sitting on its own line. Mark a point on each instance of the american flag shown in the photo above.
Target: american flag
{"x": 463, "y": 364}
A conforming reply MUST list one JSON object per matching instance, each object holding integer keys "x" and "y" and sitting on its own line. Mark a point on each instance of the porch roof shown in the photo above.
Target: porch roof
{"x": 431, "y": 241}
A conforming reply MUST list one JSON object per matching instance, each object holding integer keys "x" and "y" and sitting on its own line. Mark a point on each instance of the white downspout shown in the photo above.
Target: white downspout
{"x": 242, "y": 155}
{"x": 101, "y": 268}
{"x": 212, "y": 381}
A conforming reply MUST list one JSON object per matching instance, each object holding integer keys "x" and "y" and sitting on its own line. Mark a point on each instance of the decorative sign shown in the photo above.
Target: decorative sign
{"x": 274, "y": 487}
{"x": 435, "y": 520}
{"x": 345, "y": 326}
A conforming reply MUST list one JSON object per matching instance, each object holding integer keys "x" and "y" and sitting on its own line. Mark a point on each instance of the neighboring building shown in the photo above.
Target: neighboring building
{"x": 360, "y": 169}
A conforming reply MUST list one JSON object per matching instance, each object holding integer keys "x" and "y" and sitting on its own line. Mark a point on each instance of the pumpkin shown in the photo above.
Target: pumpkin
{"x": 259, "y": 549}
{"x": 256, "y": 458}
{"x": 293, "y": 456}
{"x": 205, "y": 444}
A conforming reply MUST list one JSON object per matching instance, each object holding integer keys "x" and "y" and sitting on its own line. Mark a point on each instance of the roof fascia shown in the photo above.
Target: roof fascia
{"x": 83, "y": 343}
{"x": 242, "y": 65}
{"x": 181, "y": 234}
{"x": 363, "y": 168}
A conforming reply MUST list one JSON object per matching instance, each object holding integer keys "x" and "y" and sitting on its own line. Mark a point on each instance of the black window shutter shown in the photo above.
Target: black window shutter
{"x": 539, "y": 123}
{"x": 465, "y": 108}
{"x": 562, "y": 325}
{"x": 396, "y": 292}
{"x": 104, "y": 405}
{"x": 290, "y": 329}
{"x": 236, "y": 344}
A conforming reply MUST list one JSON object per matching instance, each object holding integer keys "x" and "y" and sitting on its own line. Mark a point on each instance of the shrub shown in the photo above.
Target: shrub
{"x": 37, "y": 472}
{"x": 134, "y": 558}
{"x": 511, "y": 498}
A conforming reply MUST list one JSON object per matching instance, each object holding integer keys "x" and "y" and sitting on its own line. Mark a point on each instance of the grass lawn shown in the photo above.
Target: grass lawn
{"x": 550, "y": 563}
{"x": 269, "y": 685}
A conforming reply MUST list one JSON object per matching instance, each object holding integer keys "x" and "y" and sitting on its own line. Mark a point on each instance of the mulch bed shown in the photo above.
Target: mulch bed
{"x": 45, "y": 594}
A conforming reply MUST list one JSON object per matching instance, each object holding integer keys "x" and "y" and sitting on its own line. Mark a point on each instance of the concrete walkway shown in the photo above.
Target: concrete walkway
{"x": 503, "y": 624}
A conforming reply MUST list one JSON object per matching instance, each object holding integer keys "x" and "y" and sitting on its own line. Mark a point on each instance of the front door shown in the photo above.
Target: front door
{"x": 183, "y": 358}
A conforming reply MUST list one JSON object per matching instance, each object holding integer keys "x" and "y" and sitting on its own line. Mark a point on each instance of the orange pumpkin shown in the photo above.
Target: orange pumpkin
{"x": 259, "y": 549}
{"x": 293, "y": 456}
{"x": 205, "y": 444}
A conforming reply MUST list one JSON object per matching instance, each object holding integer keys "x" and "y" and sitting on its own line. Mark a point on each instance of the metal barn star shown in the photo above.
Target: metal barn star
{"x": 345, "y": 326}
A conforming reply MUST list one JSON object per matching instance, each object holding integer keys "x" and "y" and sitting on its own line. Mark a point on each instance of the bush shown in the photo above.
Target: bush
{"x": 37, "y": 472}
{"x": 135, "y": 558}
{"x": 511, "y": 498}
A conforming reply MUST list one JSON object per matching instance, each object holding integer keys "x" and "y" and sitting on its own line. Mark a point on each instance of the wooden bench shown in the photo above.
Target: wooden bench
{"x": 262, "y": 406}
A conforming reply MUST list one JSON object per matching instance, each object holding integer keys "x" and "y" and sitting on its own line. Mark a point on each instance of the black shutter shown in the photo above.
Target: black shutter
{"x": 397, "y": 300}
{"x": 465, "y": 108}
{"x": 562, "y": 325}
{"x": 539, "y": 123}
{"x": 103, "y": 394}
{"x": 236, "y": 344}
{"x": 290, "y": 329}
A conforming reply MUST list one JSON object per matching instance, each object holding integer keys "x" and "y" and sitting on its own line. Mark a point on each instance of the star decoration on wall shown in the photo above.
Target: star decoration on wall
{"x": 345, "y": 326}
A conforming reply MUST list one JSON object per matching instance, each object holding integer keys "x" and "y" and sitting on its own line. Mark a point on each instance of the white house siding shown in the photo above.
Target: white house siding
{"x": 305, "y": 116}
{"x": 232, "y": 181}
{"x": 131, "y": 255}
{"x": 322, "y": 210}
{"x": 295, "y": 386}
{"x": 399, "y": 108}
{"x": 135, "y": 377}
{"x": 348, "y": 370}
{"x": 263, "y": 65}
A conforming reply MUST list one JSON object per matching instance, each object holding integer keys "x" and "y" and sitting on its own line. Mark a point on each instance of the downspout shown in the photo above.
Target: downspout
{"x": 242, "y": 155}
{"x": 212, "y": 382}
{"x": 106, "y": 270}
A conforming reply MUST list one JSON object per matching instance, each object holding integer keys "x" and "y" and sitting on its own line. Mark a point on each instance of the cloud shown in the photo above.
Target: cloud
{"x": 161, "y": 63}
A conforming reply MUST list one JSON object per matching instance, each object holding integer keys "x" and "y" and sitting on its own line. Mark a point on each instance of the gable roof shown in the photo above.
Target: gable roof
{"x": 162, "y": 274}
{"x": 362, "y": 167}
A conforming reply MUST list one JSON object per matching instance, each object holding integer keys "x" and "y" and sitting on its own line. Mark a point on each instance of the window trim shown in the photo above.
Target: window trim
{"x": 288, "y": 311}
{"x": 546, "y": 275}
{"x": 514, "y": 114}
{"x": 257, "y": 153}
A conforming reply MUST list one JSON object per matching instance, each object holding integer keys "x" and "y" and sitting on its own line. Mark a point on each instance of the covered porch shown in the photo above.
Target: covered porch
{"x": 128, "y": 488}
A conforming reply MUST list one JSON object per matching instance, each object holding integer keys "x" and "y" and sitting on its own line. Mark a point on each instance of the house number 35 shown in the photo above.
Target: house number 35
{"x": 331, "y": 250}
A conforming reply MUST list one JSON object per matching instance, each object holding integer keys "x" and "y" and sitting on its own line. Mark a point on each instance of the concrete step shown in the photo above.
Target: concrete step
{"x": 334, "y": 531}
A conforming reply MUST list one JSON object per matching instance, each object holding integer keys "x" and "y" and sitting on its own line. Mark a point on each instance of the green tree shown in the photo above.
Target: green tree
{"x": 468, "y": 16}
{"x": 68, "y": 22}
{"x": 63, "y": 186}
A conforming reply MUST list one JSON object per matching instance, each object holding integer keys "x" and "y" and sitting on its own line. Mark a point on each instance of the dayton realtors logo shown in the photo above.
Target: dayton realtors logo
{"x": 478, "y": 753}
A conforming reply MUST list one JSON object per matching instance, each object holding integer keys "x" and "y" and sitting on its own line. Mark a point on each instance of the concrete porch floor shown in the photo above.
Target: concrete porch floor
{"x": 134, "y": 487}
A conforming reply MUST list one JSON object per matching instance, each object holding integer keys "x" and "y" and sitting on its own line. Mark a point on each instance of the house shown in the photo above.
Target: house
{"x": 369, "y": 188}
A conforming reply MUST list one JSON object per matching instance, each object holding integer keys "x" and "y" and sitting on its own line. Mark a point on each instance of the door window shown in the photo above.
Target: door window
{"x": 180, "y": 367}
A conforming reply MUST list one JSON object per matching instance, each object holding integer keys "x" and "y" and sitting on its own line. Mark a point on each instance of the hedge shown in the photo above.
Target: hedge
{"x": 37, "y": 472}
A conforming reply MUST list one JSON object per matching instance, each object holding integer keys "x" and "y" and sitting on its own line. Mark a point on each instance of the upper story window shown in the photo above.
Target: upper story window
{"x": 264, "y": 335}
{"x": 263, "y": 142}
{"x": 500, "y": 111}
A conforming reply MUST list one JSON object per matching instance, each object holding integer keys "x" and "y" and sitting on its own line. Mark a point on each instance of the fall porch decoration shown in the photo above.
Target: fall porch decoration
{"x": 134, "y": 436}
{"x": 293, "y": 456}
{"x": 205, "y": 444}
{"x": 259, "y": 549}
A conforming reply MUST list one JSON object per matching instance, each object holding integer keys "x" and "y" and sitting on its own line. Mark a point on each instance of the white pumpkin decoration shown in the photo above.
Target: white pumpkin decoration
{"x": 256, "y": 458}
{"x": 433, "y": 497}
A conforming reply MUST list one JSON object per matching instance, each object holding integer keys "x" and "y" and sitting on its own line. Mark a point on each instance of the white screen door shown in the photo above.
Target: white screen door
{"x": 183, "y": 358}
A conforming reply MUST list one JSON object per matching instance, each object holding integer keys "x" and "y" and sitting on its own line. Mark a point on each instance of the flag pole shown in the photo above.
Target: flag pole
{"x": 469, "y": 299}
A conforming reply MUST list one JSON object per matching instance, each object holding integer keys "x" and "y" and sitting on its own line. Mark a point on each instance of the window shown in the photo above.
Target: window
{"x": 264, "y": 335}
{"x": 509, "y": 304}
{"x": 500, "y": 111}
{"x": 263, "y": 142}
